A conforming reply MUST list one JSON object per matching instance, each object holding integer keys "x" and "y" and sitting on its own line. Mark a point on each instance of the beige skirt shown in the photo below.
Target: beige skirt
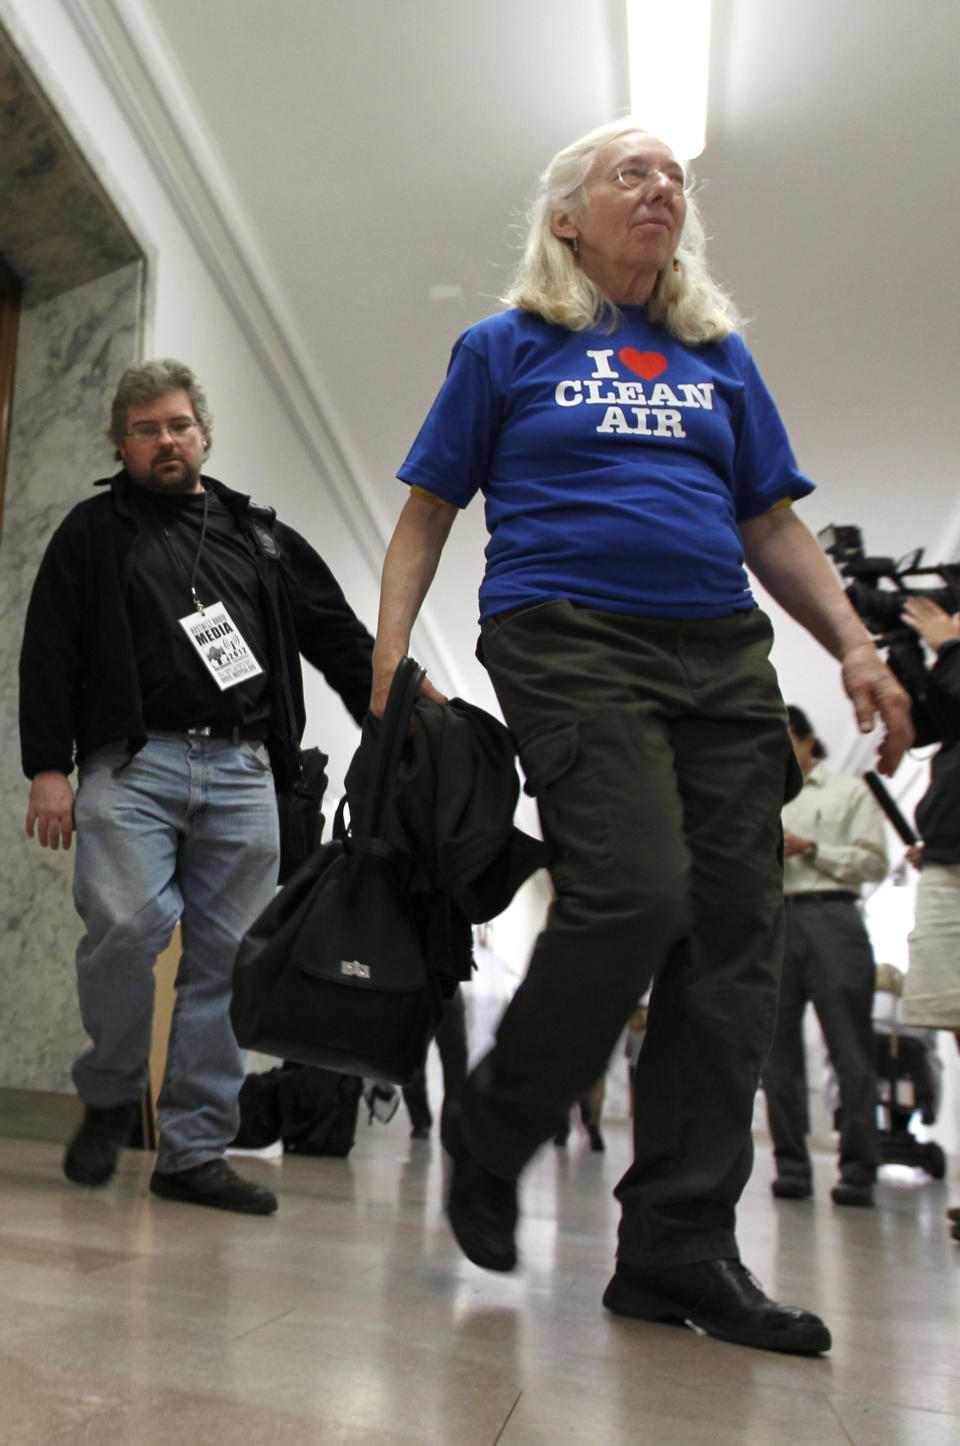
{"x": 931, "y": 990}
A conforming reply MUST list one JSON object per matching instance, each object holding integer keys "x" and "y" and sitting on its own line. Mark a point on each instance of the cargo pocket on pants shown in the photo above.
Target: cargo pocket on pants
{"x": 571, "y": 787}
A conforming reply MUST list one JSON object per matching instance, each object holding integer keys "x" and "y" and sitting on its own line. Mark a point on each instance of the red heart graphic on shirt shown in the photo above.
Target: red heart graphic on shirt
{"x": 646, "y": 364}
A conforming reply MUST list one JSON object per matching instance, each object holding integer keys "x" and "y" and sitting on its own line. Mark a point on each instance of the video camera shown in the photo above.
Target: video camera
{"x": 881, "y": 609}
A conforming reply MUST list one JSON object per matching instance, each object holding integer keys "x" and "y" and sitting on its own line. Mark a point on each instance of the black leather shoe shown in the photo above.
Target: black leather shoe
{"x": 91, "y": 1156}
{"x": 791, "y": 1187}
{"x": 214, "y": 1183}
{"x": 954, "y": 1214}
{"x": 846, "y": 1193}
{"x": 482, "y": 1210}
{"x": 720, "y": 1297}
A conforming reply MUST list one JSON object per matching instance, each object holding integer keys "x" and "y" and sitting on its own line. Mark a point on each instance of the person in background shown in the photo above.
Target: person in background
{"x": 451, "y": 1042}
{"x": 931, "y": 991}
{"x": 161, "y": 654}
{"x": 631, "y": 460}
{"x": 591, "y": 1111}
{"x": 834, "y": 842}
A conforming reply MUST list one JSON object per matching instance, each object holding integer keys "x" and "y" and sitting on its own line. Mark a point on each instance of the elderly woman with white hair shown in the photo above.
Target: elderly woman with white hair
{"x": 631, "y": 460}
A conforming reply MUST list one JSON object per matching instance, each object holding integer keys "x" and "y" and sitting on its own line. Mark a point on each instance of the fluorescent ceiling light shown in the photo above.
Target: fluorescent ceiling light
{"x": 668, "y": 48}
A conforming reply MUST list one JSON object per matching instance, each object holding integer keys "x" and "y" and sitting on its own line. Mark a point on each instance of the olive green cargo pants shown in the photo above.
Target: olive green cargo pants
{"x": 659, "y": 757}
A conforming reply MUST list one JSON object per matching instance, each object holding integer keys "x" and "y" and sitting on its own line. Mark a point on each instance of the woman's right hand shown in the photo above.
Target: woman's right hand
{"x": 383, "y": 677}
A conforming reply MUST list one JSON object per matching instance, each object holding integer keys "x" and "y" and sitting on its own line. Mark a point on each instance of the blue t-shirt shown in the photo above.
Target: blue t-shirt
{"x": 615, "y": 467}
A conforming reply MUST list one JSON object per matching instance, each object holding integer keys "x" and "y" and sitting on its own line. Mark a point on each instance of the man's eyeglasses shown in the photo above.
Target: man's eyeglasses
{"x": 153, "y": 431}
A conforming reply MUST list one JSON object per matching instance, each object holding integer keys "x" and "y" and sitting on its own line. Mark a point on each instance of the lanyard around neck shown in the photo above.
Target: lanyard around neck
{"x": 191, "y": 577}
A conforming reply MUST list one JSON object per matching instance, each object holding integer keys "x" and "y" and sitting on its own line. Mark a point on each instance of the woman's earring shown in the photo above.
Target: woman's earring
{"x": 576, "y": 245}
{"x": 676, "y": 264}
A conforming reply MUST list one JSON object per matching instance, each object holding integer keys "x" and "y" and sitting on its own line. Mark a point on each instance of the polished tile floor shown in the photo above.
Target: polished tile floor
{"x": 350, "y": 1319}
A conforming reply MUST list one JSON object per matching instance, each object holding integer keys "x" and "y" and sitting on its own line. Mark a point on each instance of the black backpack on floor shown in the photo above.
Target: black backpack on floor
{"x": 312, "y": 1110}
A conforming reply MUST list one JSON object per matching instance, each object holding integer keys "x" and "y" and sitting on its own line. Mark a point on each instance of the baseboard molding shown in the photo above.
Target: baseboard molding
{"x": 38, "y": 1115}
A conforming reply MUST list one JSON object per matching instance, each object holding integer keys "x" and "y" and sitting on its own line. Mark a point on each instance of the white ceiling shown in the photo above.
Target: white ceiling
{"x": 377, "y": 149}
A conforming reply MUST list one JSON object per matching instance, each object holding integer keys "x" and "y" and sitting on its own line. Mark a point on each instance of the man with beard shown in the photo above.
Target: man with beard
{"x": 161, "y": 653}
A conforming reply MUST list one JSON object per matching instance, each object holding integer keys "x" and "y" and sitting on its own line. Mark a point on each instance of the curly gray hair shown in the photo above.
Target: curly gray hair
{"x": 153, "y": 379}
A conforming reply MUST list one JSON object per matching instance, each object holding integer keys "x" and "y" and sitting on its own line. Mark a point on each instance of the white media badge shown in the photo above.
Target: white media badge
{"x": 220, "y": 643}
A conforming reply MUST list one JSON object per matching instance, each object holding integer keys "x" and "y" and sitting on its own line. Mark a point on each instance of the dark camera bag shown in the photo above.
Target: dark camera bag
{"x": 299, "y": 809}
{"x": 333, "y": 971}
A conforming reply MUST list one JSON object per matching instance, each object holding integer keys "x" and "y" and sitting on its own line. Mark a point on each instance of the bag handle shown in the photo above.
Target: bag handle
{"x": 393, "y": 731}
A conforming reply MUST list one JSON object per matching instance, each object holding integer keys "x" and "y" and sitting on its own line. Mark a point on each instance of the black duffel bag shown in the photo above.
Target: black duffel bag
{"x": 333, "y": 971}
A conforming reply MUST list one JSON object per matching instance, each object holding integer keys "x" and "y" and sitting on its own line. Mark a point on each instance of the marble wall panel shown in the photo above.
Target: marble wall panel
{"x": 72, "y": 350}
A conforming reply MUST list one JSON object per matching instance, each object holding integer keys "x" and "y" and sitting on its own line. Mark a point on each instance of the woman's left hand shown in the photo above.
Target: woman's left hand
{"x": 787, "y": 559}
{"x": 872, "y": 689}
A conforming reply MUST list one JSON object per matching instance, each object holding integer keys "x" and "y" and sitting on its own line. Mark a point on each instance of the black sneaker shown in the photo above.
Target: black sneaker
{"x": 91, "y": 1156}
{"x": 720, "y": 1297}
{"x": 214, "y": 1183}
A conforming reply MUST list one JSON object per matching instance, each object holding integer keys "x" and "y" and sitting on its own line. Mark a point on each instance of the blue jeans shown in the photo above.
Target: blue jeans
{"x": 186, "y": 831}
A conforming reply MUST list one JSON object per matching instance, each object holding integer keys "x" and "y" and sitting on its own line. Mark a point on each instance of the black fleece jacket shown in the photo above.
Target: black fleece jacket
{"x": 78, "y": 674}
{"x": 450, "y": 813}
